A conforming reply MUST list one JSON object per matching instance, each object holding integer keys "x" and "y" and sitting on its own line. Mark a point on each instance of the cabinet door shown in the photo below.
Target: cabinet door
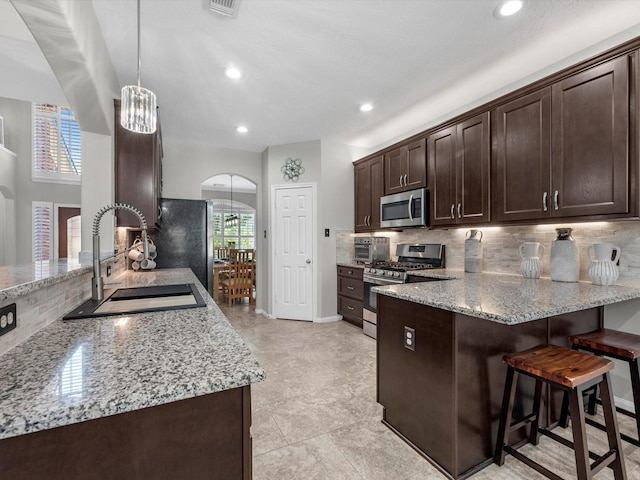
{"x": 442, "y": 176}
{"x": 590, "y": 118}
{"x": 522, "y": 176}
{"x": 369, "y": 187}
{"x": 416, "y": 165}
{"x": 362, "y": 178}
{"x": 377, "y": 191}
{"x": 395, "y": 169}
{"x": 472, "y": 137}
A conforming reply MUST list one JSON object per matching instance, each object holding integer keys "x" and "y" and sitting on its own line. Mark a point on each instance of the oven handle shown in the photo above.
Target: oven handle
{"x": 381, "y": 282}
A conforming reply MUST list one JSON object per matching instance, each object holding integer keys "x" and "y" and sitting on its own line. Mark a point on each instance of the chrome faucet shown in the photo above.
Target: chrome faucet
{"x": 97, "y": 284}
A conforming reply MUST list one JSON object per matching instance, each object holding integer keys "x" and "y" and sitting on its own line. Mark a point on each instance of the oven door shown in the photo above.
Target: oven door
{"x": 369, "y": 315}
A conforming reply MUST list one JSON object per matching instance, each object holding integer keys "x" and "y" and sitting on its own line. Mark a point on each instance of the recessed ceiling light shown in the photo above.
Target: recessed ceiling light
{"x": 242, "y": 129}
{"x": 366, "y": 107}
{"x": 233, "y": 72}
{"x": 508, "y": 8}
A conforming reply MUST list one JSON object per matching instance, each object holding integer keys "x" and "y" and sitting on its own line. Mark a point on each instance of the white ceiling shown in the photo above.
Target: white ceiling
{"x": 308, "y": 64}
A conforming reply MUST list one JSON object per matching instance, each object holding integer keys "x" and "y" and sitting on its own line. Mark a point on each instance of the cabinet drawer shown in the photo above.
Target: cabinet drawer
{"x": 351, "y": 287}
{"x": 352, "y": 272}
{"x": 348, "y": 307}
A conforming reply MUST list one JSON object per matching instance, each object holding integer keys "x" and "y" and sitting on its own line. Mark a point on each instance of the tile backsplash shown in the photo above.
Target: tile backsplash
{"x": 501, "y": 245}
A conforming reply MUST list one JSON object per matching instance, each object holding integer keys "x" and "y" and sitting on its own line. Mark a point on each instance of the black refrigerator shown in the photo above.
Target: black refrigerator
{"x": 183, "y": 239}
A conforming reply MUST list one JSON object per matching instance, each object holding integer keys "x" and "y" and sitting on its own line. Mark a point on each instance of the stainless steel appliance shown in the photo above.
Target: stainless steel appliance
{"x": 405, "y": 209}
{"x": 419, "y": 256}
{"x": 370, "y": 249}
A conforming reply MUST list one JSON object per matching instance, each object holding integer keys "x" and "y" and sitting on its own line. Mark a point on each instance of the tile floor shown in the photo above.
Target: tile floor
{"x": 315, "y": 417}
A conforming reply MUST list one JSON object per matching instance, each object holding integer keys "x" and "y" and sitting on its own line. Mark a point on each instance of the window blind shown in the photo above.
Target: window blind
{"x": 56, "y": 143}
{"x": 42, "y": 231}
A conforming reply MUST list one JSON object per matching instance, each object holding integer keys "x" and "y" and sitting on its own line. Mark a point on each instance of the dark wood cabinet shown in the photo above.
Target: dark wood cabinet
{"x": 563, "y": 151}
{"x": 458, "y": 163}
{"x": 521, "y": 158}
{"x": 405, "y": 168}
{"x": 369, "y": 187}
{"x": 138, "y": 175}
{"x": 197, "y": 438}
{"x": 351, "y": 294}
{"x": 590, "y": 142}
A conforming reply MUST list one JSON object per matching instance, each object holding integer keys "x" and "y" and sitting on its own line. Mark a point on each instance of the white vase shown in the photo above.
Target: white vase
{"x": 565, "y": 259}
{"x": 531, "y": 265}
{"x": 473, "y": 252}
{"x": 603, "y": 270}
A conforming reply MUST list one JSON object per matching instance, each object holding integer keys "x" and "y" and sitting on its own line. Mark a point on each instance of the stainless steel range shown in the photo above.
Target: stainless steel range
{"x": 411, "y": 256}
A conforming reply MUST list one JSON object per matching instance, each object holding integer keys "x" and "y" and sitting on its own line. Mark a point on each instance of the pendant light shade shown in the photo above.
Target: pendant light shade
{"x": 138, "y": 109}
{"x": 138, "y": 105}
{"x": 233, "y": 219}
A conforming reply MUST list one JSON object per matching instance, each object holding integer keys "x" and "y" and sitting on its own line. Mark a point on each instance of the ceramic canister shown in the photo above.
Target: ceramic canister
{"x": 531, "y": 265}
{"x": 603, "y": 269}
{"x": 473, "y": 252}
{"x": 565, "y": 259}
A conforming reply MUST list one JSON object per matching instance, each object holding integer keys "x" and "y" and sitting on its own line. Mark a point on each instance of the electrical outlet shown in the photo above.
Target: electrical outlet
{"x": 326, "y": 232}
{"x": 108, "y": 270}
{"x": 410, "y": 338}
{"x": 8, "y": 318}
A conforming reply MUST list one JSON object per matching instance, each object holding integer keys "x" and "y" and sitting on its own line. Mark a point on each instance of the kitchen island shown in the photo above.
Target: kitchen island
{"x": 151, "y": 395}
{"x": 442, "y": 392}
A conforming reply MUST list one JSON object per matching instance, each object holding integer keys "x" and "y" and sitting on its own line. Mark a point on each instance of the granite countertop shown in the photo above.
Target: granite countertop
{"x": 508, "y": 299}
{"x": 18, "y": 280}
{"x": 78, "y": 370}
{"x": 350, "y": 264}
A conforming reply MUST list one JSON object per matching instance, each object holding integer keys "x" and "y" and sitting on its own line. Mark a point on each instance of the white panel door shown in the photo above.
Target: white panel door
{"x": 293, "y": 260}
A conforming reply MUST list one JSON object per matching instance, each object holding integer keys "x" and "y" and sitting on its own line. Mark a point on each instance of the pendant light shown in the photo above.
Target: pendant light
{"x": 138, "y": 109}
{"x": 232, "y": 219}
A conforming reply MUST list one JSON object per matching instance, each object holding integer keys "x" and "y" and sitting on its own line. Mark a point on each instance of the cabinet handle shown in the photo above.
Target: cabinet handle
{"x": 349, "y": 307}
{"x": 350, "y": 287}
{"x": 453, "y": 217}
{"x": 459, "y": 209}
{"x": 545, "y": 197}
{"x": 405, "y": 180}
{"x": 350, "y": 272}
{"x": 555, "y": 200}
{"x": 368, "y": 220}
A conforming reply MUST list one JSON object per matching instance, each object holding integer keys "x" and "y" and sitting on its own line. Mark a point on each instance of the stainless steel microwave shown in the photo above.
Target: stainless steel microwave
{"x": 405, "y": 209}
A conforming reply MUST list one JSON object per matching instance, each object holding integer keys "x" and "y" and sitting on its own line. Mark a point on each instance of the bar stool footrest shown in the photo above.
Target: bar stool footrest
{"x": 623, "y": 436}
{"x": 532, "y": 463}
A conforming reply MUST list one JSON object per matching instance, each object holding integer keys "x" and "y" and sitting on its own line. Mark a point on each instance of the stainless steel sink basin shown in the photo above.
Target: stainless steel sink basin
{"x": 123, "y": 301}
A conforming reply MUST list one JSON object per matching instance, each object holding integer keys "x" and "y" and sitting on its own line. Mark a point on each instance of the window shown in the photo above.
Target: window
{"x": 240, "y": 235}
{"x": 42, "y": 231}
{"x": 56, "y": 145}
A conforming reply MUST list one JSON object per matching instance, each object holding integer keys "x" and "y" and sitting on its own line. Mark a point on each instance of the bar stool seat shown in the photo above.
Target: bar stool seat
{"x": 573, "y": 372}
{"x": 622, "y": 346}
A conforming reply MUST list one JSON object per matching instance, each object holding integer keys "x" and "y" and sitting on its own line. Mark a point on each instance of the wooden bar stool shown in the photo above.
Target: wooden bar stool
{"x": 621, "y": 346}
{"x": 573, "y": 372}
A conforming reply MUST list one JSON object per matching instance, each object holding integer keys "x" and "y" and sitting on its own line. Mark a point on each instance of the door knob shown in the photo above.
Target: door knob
{"x": 308, "y": 261}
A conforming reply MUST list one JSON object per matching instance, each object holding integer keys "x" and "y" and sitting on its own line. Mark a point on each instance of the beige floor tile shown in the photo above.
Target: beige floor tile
{"x": 266, "y": 436}
{"x": 313, "y": 459}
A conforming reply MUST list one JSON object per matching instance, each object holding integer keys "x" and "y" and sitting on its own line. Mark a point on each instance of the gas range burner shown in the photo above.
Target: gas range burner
{"x": 401, "y": 266}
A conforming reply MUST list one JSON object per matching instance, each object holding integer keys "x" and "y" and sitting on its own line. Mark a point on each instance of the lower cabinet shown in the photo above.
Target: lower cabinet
{"x": 442, "y": 394}
{"x": 351, "y": 294}
{"x": 197, "y": 438}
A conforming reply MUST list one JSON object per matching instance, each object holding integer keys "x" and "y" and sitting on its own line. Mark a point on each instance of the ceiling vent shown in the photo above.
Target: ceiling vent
{"x": 224, "y": 7}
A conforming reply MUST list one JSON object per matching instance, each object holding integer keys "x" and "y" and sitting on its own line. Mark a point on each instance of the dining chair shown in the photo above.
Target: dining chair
{"x": 239, "y": 283}
{"x": 222, "y": 252}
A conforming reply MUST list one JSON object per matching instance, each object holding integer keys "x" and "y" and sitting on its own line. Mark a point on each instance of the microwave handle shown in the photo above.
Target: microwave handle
{"x": 410, "y": 209}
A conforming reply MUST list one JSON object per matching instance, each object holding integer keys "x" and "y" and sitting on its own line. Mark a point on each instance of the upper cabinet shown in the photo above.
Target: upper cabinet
{"x": 458, "y": 163}
{"x": 138, "y": 176}
{"x": 405, "y": 168}
{"x": 369, "y": 187}
{"x": 563, "y": 151}
{"x": 590, "y": 142}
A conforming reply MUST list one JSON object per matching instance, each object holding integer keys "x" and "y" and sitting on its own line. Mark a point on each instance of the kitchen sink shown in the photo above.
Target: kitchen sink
{"x": 126, "y": 301}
